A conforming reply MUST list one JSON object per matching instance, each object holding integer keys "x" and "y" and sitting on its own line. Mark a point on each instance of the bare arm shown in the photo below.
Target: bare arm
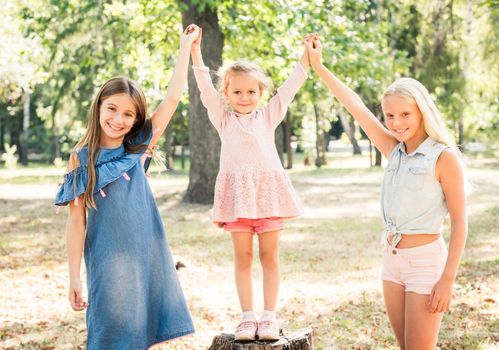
{"x": 75, "y": 236}
{"x": 164, "y": 112}
{"x": 378, "y": 134}
{"x": 450, "y": 174}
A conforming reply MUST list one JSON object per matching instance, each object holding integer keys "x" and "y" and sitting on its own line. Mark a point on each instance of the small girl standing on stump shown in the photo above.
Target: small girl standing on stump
{"x": 135, "y": 297}
{"x": 253, "y": 193}
{"x": 424, "y": 181}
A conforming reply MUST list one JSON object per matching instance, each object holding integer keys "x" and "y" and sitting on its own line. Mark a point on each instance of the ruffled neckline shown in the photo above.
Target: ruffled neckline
{"x": 110, "y": 165}
{"x": 109, "y": 154}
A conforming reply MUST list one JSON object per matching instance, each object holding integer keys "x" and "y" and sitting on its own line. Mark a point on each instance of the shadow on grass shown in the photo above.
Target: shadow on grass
{"x": 43, "y": 335}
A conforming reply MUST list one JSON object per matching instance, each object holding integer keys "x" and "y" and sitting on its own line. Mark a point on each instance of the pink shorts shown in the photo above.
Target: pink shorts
{"x": 418, "y": 269}
{"x": 256, "y": 226}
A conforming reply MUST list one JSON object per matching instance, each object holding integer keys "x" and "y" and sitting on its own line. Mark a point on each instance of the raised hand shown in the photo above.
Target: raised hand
{"x": 166, "y": 108}
{"x": 197, "y": 58}
{"x": 197, "y": 43}
{"x": 190, "y": 35}
{"x": 314, "y": 49}
{"x": 304, "y": 58}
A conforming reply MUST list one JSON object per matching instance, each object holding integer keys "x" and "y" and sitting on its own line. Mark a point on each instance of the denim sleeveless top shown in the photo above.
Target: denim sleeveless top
{"x": 412, "y": 199}
{"x": 134, "y": 294}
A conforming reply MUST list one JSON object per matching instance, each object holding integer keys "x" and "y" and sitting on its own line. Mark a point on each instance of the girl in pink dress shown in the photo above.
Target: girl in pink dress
{"x": 253, "y": 193}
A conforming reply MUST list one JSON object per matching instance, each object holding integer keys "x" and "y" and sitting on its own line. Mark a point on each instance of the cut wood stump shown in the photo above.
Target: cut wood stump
{"x": 298, "y": 340}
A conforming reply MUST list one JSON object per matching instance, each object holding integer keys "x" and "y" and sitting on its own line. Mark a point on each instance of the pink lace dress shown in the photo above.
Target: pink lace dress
{"x": 251, "y": 182}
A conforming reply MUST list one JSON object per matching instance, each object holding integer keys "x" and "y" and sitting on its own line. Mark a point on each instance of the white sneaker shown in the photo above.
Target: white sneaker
{"x": 268, "y": 330}
{"x": 246, "y": 330}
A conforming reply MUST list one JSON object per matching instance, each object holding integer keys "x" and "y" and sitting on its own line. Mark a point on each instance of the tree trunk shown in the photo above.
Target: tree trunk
{"x": 299, "y": 340}
{"x": 466, "y": 61}
{"x": 182, "y": 156}
{"x": 289, "y": 149}
{"x": 349, "y": 128}
{"x": 353, "y": 130}
{"x": 370, "y": 153}
{"x": 320, "y": 159}
{"x": 2, "y": 133}
{"x": 23, "y": 151}
{"x": 375, "y": 108}
{"x": 169, "y": 146}
{"x": 183, "y": 142}
{"x": 279, "y": 141}
{"x": 204, "y": 143}
{"x": 55, "y": 139}
{"x": 379, "y": 157}
{"x": 15, "y": 127}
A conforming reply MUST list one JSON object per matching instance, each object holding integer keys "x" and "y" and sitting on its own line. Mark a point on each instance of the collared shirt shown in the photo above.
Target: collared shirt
{"x": 412, "y": 199}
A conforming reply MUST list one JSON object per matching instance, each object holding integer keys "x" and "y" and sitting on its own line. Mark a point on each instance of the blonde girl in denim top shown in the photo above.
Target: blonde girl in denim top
{"x": 423, "y": 182}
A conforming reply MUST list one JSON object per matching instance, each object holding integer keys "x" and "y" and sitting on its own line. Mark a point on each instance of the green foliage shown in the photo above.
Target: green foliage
{"x": 18, "y": 54}
{"x": 63, "y": 51}
{"x": 89, "y": 42}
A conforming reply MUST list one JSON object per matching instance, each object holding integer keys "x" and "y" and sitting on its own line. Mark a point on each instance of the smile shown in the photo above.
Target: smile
{"x": 115, "y": 128}
{"x": 399, "y": 131}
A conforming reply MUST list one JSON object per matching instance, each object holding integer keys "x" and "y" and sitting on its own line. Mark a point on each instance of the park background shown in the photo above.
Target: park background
{"x": 54, "y": 55}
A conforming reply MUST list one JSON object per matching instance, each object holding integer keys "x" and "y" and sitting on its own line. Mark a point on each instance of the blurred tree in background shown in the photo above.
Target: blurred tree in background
{"x": 55, "y": 55}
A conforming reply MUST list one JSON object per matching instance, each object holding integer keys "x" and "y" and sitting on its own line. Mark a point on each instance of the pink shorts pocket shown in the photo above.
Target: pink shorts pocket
{"x": 255, "y": 226}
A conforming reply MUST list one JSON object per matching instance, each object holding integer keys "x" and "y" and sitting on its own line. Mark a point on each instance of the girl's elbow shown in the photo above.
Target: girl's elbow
{"x": 460, "y": 226}
{"x": 173, "y": 99}
{"x": 76, "y": 224}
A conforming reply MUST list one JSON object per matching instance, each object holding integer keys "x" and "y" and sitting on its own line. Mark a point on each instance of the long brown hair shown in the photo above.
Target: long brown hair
{"x": 91, "y": 139}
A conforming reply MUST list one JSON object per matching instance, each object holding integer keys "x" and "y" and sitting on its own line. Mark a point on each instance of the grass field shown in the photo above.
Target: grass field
{"x": 330, "y": 261}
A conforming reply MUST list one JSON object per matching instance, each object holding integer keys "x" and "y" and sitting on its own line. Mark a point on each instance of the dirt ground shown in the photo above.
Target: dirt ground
{"x": 330, "y": 261}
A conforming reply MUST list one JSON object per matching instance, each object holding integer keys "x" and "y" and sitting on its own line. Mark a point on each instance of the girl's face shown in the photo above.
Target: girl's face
{"x": 243, "y": 92}
{"x": 403, "y": 118}
{"x": 117, "y": 114}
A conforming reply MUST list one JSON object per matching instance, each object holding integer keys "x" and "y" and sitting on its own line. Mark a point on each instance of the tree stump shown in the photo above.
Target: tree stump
{"x": 298, "y": 340}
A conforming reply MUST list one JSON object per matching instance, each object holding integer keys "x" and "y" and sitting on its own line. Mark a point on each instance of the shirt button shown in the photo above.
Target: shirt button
{"x": 394, "y": 252}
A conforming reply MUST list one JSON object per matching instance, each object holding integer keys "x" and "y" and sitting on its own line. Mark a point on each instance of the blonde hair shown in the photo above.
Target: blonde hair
{"x": 91, "y": 139}
{"x": 227, "y": 70}
{"x": 433, "y": 122}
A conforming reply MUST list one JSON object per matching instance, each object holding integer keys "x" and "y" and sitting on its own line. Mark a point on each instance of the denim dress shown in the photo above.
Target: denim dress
{"x": 134, "y": 294}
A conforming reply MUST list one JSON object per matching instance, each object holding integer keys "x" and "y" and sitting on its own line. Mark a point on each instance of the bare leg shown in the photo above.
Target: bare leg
{"x": 243, "y": 259}
{"x": 394, "y": 295}
{"x": 421, "y": 325}
{"x": 269, "y": 258}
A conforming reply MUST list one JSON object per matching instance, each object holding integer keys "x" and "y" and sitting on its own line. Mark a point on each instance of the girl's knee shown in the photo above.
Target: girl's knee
{"x": 244, "y": 260}
{"x": 419, "y": 341}
{"x": 269, "y": 259}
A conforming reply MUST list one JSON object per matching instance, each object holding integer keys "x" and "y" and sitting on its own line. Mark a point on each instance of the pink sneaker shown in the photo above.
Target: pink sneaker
{"x": 268, "y": 330}
{"x": 246, "y": 330}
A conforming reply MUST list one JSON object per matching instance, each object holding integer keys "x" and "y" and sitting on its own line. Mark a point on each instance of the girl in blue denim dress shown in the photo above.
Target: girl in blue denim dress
{"x": 134, "y": 296}
{"x": 424, "y": 181}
